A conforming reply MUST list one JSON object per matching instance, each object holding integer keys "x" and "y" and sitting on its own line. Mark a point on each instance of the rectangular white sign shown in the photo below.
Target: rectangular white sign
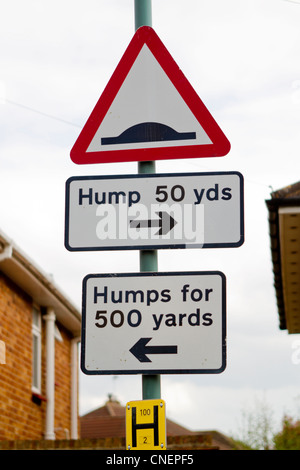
{"x": 154, "y": 323}
{"x": 154, "y": 211}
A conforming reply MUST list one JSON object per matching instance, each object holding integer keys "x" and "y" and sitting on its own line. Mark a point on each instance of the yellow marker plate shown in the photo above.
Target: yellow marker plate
{"x": 146, "y": 425}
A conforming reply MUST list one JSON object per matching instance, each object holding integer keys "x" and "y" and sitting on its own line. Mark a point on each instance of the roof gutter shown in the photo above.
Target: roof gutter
{"x": 5, "y": 251}
{"x": 39, "y": 286}
{"x": 273, "y": 205}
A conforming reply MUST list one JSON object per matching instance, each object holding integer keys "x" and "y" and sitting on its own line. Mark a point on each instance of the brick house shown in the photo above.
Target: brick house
{"x": 39, "y": 335}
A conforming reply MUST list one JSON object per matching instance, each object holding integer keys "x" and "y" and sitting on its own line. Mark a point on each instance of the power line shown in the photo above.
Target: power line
{"x": 28, "y": 108}
{"x": 42, "y": 113}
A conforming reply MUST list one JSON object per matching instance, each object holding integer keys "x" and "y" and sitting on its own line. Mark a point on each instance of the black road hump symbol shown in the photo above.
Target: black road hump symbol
{"x": 148, "y": 132}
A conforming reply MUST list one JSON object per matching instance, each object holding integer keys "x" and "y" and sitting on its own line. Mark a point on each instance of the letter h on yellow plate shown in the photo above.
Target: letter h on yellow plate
{"x": 146, "y": 425}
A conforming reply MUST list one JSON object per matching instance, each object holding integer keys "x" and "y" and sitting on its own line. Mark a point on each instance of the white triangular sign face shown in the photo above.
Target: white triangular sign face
{"x": 148, "y": 111}
{"x": 149, "y": 97}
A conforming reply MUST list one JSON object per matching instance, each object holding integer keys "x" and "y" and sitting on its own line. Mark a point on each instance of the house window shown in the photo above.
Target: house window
{"x": 36, "y": 350}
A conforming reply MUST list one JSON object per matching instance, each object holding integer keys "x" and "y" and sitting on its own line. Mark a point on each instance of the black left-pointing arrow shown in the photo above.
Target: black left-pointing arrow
{"x": 140, "y": 350}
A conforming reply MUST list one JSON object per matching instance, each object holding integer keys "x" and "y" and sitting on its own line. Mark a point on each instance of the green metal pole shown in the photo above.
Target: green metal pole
{"x": 148, "y": 258}
{"x": 142, "y": 13}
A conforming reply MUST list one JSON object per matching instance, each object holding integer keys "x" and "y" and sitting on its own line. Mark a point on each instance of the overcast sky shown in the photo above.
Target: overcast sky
{"x": 242, "y": 58}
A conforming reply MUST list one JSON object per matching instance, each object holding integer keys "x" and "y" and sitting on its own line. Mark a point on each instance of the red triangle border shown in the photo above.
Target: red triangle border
{"x": 146, "y": 35}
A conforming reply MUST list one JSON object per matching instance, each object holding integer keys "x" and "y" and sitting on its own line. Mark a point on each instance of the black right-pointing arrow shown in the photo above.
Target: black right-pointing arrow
{"x": 140, "y": 349}
{"x": 165, "y": 223}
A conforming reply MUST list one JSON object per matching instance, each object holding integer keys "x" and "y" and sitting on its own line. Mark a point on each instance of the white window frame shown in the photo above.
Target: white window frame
{"x": 36, "y": 350}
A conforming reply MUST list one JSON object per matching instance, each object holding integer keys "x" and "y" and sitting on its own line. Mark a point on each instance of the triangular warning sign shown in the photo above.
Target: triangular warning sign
{"x": 148, "y": 111}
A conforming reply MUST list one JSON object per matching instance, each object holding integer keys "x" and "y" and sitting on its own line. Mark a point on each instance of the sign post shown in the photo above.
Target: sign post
{"x": 151, "y": 385}
{"x": 152, "y": 323}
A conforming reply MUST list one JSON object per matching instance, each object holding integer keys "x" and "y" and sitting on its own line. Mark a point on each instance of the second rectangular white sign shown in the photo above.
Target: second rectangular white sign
{"x": 154, "y": 211}
{"x": 154, "y": 323}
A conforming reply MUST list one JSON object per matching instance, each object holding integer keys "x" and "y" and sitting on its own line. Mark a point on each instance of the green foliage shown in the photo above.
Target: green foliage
{"x": 257, "y": 431}
{"x": 289, "y": 437}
